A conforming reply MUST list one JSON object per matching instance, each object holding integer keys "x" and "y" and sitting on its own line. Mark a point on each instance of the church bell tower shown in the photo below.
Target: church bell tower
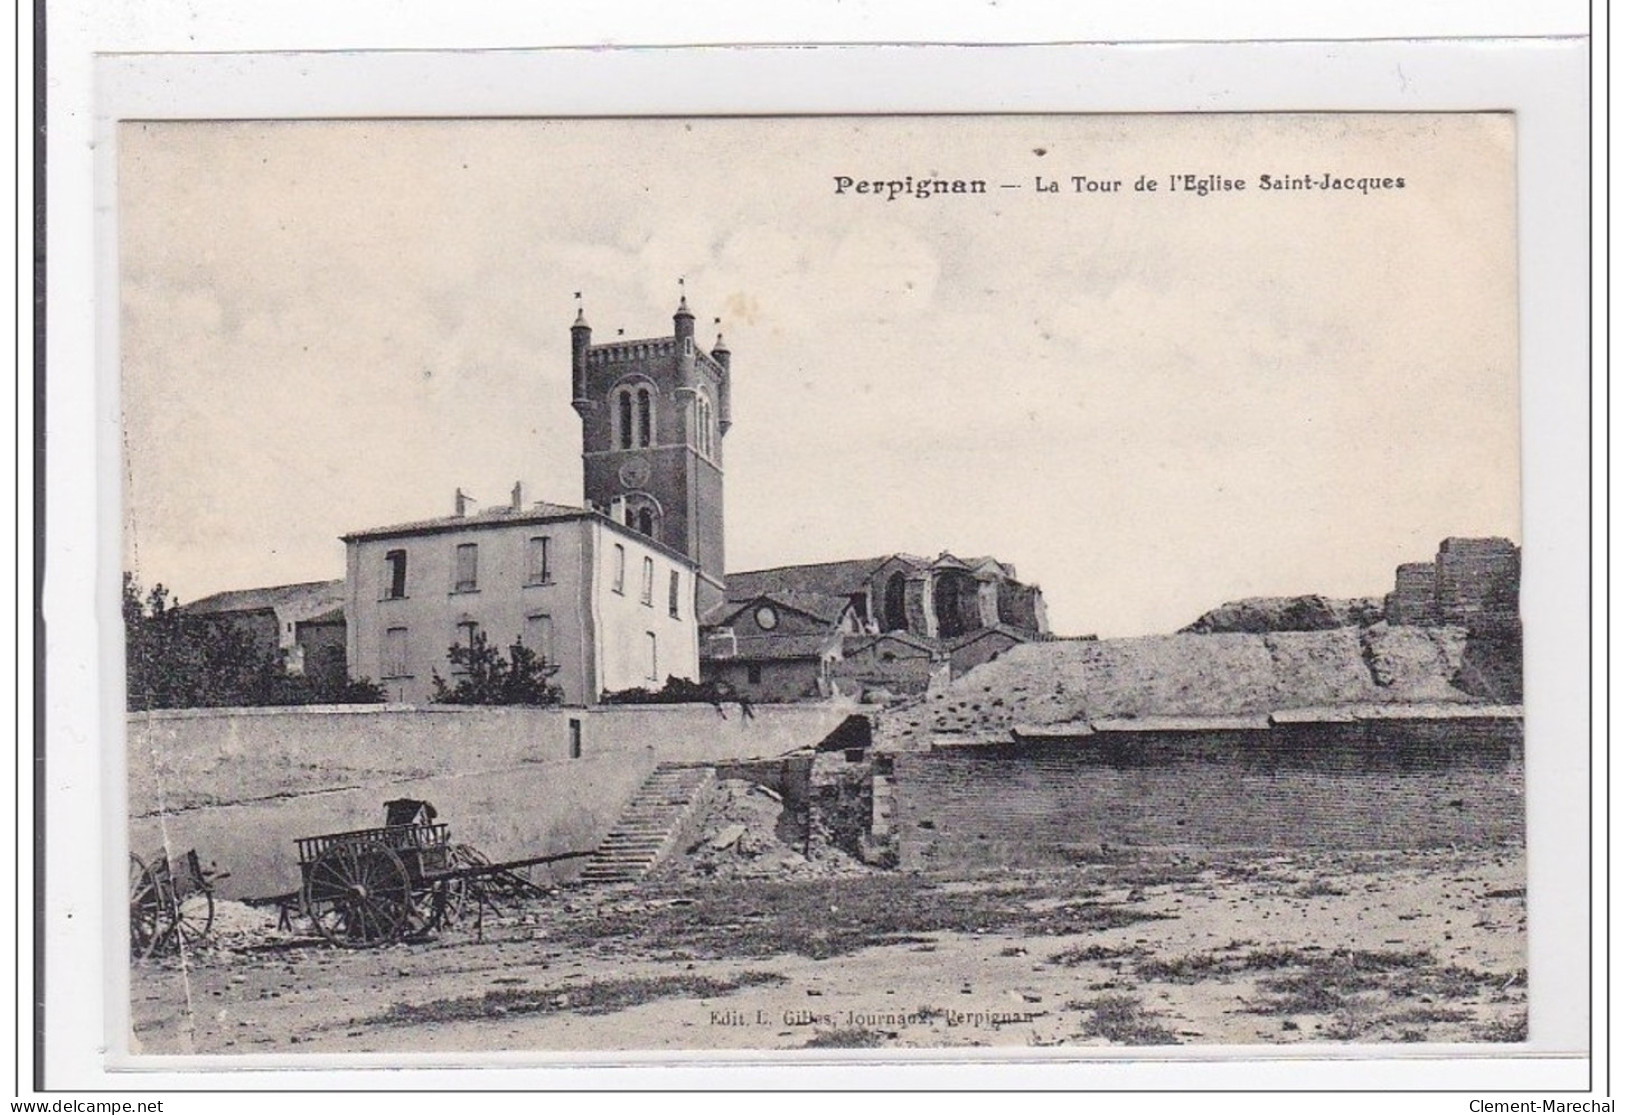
{"x": 653, "y": 415}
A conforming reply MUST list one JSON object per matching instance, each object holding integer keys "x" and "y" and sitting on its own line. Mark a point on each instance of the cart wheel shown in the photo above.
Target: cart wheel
{"x": 146, "y": 908}
{"x": 190, "y": 920}
{"x": 359, "y": 897}
{"x": 464, "y": 892}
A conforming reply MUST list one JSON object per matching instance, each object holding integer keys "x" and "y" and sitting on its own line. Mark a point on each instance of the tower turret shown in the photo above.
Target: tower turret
{"x": 580, "y": 342}
{"x": 683, "y": 333}
{"x": 720, "y": 353}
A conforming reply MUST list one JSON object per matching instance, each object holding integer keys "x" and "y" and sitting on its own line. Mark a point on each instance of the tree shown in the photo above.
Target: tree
{"x": 174, "y": 659}
{"x": 486, "y": 677}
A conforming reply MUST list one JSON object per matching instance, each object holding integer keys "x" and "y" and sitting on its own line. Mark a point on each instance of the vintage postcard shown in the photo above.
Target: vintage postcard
{"x": 696, "y": 585}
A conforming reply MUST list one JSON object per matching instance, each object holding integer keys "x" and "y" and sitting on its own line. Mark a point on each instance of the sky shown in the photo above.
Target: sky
{"x": 1148, "y": 402}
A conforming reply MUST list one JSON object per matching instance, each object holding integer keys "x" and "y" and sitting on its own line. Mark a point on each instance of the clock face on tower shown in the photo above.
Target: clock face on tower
{"x": 635, "y": 473}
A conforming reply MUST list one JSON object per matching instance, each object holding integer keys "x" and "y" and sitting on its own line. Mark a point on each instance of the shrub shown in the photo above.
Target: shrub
{"x": 487, "y": 677}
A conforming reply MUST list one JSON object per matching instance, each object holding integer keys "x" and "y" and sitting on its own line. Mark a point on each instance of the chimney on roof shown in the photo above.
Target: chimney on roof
{"x": 518, "y": 496}
{"x": 463, "y": 501}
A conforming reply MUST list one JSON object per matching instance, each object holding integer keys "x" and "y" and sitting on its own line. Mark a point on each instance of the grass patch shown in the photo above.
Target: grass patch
{"x": 1121, "y": 1020}
{"x": 822, "y": 918}
{"x": 598, "y": 997}
{"x": 1210, "y": 965}
{"x": 1327, "y": 984}
{"x": 1428, "y": 1015}
{"x": 1362, "y": 993}
{"x": 1094, "y": 954}
{"x": 1507, "y": 1032}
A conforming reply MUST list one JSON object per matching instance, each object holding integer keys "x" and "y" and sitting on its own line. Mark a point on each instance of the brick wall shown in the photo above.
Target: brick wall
{"x": 1475, "y": 576}
{"x": 1411, "y": 601}
{"x": 1468, "y": 578}
{"x": 1335, "y": 786}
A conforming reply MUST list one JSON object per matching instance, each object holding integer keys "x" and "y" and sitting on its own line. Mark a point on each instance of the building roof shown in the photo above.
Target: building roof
{"x": 317, "y": 596}
{"x": 981, "y": 633}
{"x": 852, "y": 644}
{"x": 828, "y": 609}
{"x": 828, "y": 578}
{"x": 539, "y": 512}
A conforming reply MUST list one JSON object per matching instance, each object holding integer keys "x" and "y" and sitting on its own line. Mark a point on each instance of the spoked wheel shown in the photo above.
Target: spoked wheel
{"x": 359, "y": 897}
{"x": 458, "y": 899}
{"x": 189, "y": 919}
{"x": 146, "y": 908}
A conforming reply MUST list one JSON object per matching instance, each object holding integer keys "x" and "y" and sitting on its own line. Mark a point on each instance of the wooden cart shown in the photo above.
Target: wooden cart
{"x": 171, "y": 902}
{"x": 372, "y": 887}
{"x": 404, "y": 881}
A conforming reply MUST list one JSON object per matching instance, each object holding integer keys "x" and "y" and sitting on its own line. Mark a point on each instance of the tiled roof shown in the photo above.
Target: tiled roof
{"x": 830, "y": 578}
{"x": 1015, "y": 633}
{"x": 852, "y": 644}
{"x": 304, "y": 596}
{"x": 826, "y": 608}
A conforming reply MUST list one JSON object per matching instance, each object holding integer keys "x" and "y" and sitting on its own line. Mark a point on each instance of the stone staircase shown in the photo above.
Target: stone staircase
{"x": 651, "y": 824}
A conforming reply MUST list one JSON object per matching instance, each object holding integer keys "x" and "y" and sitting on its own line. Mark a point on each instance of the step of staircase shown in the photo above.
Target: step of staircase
{"x": 650, "y": 825}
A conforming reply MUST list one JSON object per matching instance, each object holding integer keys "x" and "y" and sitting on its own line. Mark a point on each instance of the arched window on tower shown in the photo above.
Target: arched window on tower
{"x": 623, "y": 410}
{"x": 643, "y": 514}
{"x": 645, "y": 418}
{"x": 704, "y": 438}
{"x": 634, "y": 418}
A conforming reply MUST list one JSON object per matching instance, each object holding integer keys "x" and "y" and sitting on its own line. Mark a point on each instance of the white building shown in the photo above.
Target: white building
{"x": 611, "y": 607}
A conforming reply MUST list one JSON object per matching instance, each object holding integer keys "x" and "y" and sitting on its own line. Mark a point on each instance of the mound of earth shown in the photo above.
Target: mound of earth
{"x": 748, "y": 833}
{"x": 1259, "y": 614}
{"x": 1068, "y": 681}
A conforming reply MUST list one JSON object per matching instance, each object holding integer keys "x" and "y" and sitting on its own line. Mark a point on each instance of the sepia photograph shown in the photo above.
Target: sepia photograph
{"x": 712, "y": 584}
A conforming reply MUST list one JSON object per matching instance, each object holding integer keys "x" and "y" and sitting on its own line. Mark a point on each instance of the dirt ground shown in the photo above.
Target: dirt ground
{"x": 1159, "y": 949}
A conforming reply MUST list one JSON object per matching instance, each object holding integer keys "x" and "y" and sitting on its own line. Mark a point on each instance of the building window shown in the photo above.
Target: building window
{"x": 648, "y": 596}
{"x": 645, "y": 418}
{"x": 466, "y": 575}
{"x": 646, "y": 522}
{"x": 620, "y": 568}
{"x": 394, "y": 665}
{"x": 753, "y": 674}
{"x": 539, "y": 636}
{"x": 673, "y": 592}
{"x": 468, "y": 633}
{"x": 395, "y": 575}
{"x": 654, "y": 656}
{"x": 538, "y": 561}
{"x": 575, "y": 738}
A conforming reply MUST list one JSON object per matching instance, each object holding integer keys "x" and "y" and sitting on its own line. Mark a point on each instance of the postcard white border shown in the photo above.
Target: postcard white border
{"x": 1544, "y": 82}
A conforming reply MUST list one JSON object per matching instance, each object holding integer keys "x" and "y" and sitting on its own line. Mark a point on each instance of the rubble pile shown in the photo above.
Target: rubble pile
{"x": 749, "y": 833}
